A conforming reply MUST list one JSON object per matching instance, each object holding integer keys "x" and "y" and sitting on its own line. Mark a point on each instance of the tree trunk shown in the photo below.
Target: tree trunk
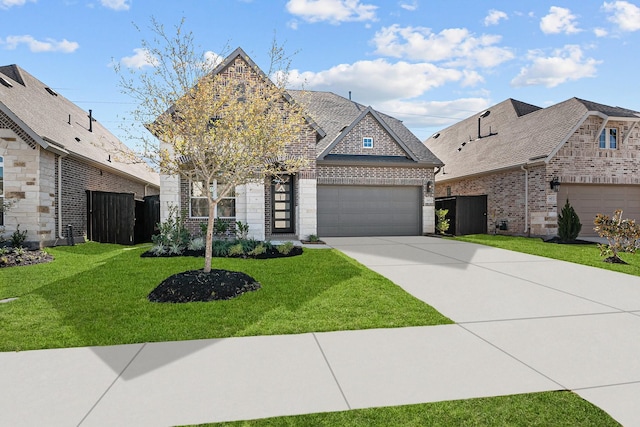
{"x": 208, "y": 249}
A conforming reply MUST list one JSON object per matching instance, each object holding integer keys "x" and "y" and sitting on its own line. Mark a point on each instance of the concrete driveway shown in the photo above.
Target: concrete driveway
{"x": 575, "y": 325}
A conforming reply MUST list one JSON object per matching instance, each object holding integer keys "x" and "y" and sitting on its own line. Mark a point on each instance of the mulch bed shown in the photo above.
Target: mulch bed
{"x": 569, "y": 242}
{"x": 269, "y": 254}
{"x": 27, "y": 257}
{"x": 196, "y": 285}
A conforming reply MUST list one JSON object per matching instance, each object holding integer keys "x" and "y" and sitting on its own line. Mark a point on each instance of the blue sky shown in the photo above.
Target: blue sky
{"x": 427, "y": 62}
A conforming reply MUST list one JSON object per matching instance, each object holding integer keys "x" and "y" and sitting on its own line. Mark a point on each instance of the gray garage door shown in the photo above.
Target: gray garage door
{"x": 345, "y": 210}
{"x": 590, "y": 200}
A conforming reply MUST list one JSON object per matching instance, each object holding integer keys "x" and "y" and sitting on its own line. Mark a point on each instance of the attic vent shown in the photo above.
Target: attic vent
{"x": 5, "y": 82}
{"x": 51, "y": 91}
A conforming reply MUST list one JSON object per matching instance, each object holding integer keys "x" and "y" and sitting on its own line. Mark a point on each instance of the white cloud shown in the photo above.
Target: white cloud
{"x": 624, "y": 14}
{"x": 116, "y": 4}
{"x": 494, "y": 17}
{"x": 455, "y": 45}
{"x": 333, "y": 11}
{"x": 565, "y": 64}
{"x": 600, "y": 32}
{"x": 409, "y": 6}
{"x": 38, "y": 46}
{"x": 559, "y": 20}
{"x": 6, "y": 4}
{"x": 379, "y": 80}
{"x": 140, "y": 59}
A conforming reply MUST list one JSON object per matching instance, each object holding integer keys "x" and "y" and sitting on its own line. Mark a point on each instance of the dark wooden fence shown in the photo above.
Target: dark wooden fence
{"x": 111, "y": 217}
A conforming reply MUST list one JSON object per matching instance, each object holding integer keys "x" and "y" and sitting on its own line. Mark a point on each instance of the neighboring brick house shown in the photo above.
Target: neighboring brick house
{"x": 51, "y": 153}
{"x": 528, "y": 160}
{"x": 367, "y": 174}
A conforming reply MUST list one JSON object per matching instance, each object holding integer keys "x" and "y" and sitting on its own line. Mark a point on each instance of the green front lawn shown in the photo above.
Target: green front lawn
{"x": 95, "y": 294}
{"x": 535, "y": 409}
{"x": 588, "y": 254}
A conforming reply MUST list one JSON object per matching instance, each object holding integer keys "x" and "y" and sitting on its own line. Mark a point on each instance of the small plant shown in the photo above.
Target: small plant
{"x": 196, "y": 244}
{"x": 569, "y": 225}
{"x": 4, "y": 251}
{"x": 18, "y": 237}
{"x": 285, "y": 248}
{"x": 236, "y": 250}
{"x": 313, "y": 238}
{"x": 220, "y": 248}
{"x": 158, "y": 250}
{"x": 220, "y": 228}
{"x": 242, "y": 230}
{"x": 173, "y": 234}
{"x": 258, "y": 250}
{"x": 442, "y": 222}
{"x": 623, "y": 235}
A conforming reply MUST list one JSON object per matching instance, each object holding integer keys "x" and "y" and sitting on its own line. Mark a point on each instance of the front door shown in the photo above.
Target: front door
{"x": 282, "y": 209}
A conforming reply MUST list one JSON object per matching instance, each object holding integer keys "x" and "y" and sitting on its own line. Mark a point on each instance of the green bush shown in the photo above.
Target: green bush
{"x": 285, "y": 248}
{"x": 242, "y": 230}
{"x": 258, "y": 250}
{"x": 173, "y": 234}
{"x": 442, "y": 222}
{"x": 18, "y": 237}
{"x": 236, "y": 249}
{"x": 196, "y": 244}
{"x": 569, "y": 225}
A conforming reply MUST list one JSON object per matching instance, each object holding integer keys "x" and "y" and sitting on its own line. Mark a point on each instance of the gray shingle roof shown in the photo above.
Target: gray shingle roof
{"x": 522, "y": 132}
{"x": 334, "y": 114}
{"x": 45, "y": 116}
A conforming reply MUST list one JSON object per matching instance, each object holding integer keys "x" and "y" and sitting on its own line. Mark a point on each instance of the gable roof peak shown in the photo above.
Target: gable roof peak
{"x": 14, "y": 72}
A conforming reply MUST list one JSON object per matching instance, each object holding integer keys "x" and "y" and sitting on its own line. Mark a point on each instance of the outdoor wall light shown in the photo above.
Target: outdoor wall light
{"x": 429, "y": 186}
{"x": 555, "y": 184}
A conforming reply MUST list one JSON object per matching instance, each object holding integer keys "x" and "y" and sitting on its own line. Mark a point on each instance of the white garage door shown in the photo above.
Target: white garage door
{"x": 590, "y": 200}
{"x": 346, "y": 210}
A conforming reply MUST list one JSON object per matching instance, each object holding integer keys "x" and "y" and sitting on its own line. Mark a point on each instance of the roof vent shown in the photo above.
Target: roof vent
{"x": 51, "y": 91}
{"x": 5, "y": 82}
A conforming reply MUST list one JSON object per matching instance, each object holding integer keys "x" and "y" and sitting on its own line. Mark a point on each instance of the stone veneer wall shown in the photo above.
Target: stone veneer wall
{"x": 29, "y": 183}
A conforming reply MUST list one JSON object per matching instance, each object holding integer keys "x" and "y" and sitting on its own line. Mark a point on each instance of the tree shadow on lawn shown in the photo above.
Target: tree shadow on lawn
{"x": 107, "y": 304}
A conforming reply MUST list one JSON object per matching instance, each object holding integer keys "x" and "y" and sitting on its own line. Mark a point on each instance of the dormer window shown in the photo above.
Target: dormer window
{"x": 367, "y": 142}
{"x": 609, "y": 138}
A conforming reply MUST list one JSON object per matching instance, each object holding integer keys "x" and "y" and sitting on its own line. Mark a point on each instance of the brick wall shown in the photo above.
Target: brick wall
{"x": 383, "y": 143}
{"x": 579, "y": 160}
{"x": 77, "y": 177}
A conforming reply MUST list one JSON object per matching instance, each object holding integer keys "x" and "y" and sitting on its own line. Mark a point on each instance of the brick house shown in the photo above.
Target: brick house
{"x": 367, "y": 174}
{"x": 51, "y": 153}
{"x": 528, "y": 160}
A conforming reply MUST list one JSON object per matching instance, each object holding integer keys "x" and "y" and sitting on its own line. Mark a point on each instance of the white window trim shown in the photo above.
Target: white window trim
{"x": 366, "y": 140}
{"x": 607, "y": 141}
{"x": 213, "y": 189}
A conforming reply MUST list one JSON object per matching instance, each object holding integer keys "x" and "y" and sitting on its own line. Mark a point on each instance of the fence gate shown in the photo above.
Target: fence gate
{"x": 110, "y": 217}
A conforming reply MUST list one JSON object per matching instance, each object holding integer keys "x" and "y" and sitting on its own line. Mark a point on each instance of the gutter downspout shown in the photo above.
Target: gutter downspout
{"x": 60, "y": 236}
{"x": 526, "y": 199}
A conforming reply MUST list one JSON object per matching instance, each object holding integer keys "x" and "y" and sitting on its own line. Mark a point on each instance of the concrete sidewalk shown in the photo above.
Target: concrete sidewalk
{"x": 524, "y": 324}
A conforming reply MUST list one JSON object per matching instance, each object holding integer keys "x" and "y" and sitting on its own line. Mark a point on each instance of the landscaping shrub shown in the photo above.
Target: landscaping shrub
{"x": 442, "y": 222}
{"x": 18, "y": 237}
{"x": 174, "y": 236}
{"x": 623, "y": 235}
{"x": 285, "y": 248}
{"x": 569, "y": 225}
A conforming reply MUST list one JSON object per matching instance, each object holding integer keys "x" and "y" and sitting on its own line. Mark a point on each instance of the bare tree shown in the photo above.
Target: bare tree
{"x": 217, "y": 124}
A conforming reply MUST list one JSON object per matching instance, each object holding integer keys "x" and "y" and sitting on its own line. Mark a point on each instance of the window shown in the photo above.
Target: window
{"x": 367, "y": 142}
{"x": 1, "y": 190}
{"x": 609, "y": 138}
{"x": 199, "y": 203}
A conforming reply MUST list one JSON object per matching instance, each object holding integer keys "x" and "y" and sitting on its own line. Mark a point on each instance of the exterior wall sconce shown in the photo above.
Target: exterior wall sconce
{"x": 555, "y": 184}
{"x": 429, "y": 186}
